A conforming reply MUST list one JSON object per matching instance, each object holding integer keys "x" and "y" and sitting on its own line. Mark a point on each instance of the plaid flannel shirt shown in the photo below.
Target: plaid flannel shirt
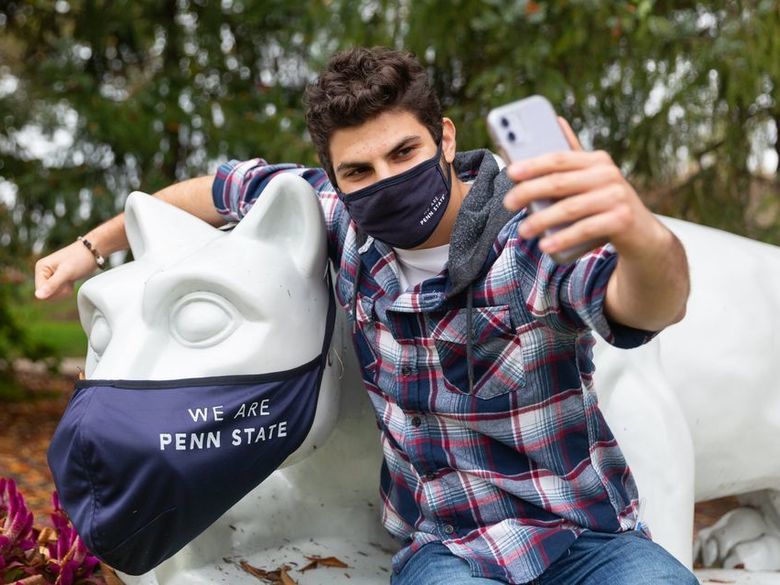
{"x": 506, "y": 476}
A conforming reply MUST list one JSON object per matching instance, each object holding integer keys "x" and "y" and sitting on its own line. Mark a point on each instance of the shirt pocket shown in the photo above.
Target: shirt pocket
{"x": 497, "y": 354}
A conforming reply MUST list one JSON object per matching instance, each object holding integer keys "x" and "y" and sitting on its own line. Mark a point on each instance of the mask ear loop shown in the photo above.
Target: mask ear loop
{"x": 447, "y": 171}
{"x": 341, "y": 363}
{"x": 329, "y": 283}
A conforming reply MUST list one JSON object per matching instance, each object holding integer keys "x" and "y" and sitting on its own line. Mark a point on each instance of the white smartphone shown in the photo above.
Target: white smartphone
{"x": 525, "y": 129}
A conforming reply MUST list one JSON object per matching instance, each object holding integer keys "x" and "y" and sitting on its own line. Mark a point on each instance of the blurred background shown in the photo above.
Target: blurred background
{"x": 99, "y": 98}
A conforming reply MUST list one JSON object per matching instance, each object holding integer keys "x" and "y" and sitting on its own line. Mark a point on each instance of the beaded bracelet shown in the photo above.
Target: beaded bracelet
{"x": 101, "y": 262}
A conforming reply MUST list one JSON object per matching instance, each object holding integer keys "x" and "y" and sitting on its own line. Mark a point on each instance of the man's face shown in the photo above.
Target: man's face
{"x": 384, "y": 146}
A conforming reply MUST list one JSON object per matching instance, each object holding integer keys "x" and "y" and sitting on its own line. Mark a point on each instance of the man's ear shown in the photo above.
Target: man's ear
{"x": 448, "y": 139}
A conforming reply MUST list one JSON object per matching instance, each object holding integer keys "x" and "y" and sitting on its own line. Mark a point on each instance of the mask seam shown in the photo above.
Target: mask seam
{"x": 137, "y": 531}
{"x": 95, "y": 504}
{"x": 205, "y": 381}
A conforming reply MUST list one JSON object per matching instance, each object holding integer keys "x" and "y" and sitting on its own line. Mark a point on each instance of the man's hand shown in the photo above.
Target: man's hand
{"x": 589, "y": 192}
{"x": 649, "y": 287}
{"x": 56, "y": 273}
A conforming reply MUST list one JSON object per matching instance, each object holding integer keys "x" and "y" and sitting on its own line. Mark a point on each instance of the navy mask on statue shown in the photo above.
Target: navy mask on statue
{"x": 402, "y": 210}
{"x": 143, "y": 467}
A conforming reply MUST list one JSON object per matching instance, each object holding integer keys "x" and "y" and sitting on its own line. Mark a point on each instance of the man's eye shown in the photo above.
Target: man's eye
{"x": 355, "y": 172}
{"x": 405, "y": 151}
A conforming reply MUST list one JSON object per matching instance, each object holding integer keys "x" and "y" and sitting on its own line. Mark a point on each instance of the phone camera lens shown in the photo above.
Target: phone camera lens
{"x": 511, "y": 136}
{"x": 504, "y": 122}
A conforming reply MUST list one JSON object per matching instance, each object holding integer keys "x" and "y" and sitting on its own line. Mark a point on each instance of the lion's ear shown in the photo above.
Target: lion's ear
{"x": 160, "y": 230}
{"x": 287, "y": 215}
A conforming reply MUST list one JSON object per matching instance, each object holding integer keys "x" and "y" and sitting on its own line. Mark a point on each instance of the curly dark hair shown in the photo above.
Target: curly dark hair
{"x": 359, "y": 84}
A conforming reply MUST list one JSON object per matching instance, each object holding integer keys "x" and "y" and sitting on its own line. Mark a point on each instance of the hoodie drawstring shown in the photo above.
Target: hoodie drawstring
{"x": 358, "y": 270}
{"x": 470, "y": 338}
{"x": 361, "y": 238}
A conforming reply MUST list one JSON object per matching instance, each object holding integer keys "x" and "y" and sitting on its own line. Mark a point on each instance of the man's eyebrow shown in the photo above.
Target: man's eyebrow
{"x": 403, "y": 142}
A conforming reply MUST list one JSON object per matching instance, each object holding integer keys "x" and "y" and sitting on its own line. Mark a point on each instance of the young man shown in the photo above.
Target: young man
{"x": 475, "y": 346}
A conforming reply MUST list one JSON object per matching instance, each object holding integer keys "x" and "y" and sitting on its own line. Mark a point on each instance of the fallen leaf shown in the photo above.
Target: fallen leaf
{"x": 285, "y": 579}
{"x": 110, "y": 575}
{"x": 47, "y": 535}
{"x": 316, "y": 562}
{"x": 34, "y": 580}
{"x": 254, "y": 571}
{"x": 277, "y": 577}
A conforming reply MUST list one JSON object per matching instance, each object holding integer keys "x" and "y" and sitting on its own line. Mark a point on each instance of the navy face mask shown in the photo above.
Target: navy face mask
{"x": 402, "y": 210}
{"x": 143, "y": 467}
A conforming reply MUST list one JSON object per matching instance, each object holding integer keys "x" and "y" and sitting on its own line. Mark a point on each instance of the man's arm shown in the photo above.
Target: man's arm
{"x": 649, "y": 289}
{"x": 56, "y": 273}
{"x": 650, "y": 285}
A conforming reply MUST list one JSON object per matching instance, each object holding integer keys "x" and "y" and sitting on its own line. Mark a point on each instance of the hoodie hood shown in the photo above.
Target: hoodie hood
{"x": 481, "y": 217}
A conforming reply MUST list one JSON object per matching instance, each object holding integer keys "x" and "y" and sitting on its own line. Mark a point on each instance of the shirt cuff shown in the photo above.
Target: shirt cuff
{"x": 614, "y": 333}
{"x": 229, "y": 188}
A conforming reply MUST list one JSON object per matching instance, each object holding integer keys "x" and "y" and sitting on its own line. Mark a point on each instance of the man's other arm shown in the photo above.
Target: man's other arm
{"x": 56, "y": 273}
{"x": 650, "y": 286}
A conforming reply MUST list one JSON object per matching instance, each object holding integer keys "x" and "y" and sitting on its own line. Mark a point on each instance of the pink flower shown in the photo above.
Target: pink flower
{"x": 71, "y": 560}
{"x": 65, "y": 561}
{"x": 16, "y": 531}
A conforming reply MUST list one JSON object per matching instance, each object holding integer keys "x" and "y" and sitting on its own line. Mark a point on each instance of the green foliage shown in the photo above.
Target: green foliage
{"x": 157, "y": 91}
{"x": 682, "y": 94}
{"x": 53, "y": 324}
{"x": 15, "y": 340}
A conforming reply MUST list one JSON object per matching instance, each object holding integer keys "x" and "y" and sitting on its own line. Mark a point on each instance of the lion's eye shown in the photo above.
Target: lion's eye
{"x": 99, "y": 334}
{"x": 202, "y": 319}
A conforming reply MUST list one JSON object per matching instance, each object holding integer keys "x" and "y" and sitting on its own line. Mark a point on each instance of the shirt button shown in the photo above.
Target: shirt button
{"x": 416, "y": 421}
{"x": 406, "y": 370}
{"x": 449, "y": 529}
{"x": 430, "y": 476}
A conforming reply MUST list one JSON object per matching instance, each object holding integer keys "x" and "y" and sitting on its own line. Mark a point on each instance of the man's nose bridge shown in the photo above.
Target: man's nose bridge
{"x": 383, "y": 170}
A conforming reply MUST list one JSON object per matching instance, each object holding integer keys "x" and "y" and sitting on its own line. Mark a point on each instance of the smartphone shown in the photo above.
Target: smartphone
{"x": 525, "y": 129}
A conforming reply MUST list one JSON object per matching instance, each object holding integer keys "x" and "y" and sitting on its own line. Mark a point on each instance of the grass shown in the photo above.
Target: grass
{"x": 67, "y": 338}
{"x": 12, "y": 392}
{"x": 52, "y": 322}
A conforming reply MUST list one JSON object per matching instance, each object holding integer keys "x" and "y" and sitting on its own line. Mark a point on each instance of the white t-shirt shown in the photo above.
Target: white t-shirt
{"x": 417, "y": 265}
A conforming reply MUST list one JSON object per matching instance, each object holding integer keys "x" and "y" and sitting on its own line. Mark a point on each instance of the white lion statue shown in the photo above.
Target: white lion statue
{"x": 326, "y": 504}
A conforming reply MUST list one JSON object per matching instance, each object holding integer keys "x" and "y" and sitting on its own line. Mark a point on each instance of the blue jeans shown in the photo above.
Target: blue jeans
{"x": 595, "y": 558}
